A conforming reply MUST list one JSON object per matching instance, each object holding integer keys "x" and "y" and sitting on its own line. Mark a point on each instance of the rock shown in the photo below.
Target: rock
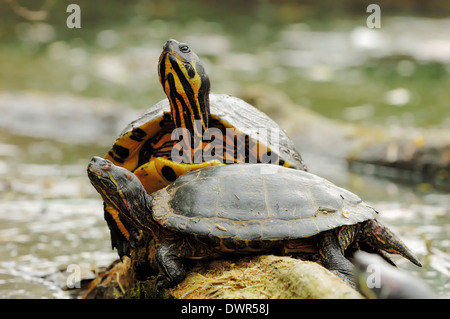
{"x": 413, "y": 155}
{"x": 417, "y": 155}
{"x": 63, "y": 117}
{"x": 267, "y": 276}
{"x": 376, "y": 279}
{"x": 114, "y": 282}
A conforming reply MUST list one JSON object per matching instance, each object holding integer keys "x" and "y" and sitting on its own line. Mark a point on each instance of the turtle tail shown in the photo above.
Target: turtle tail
{"x": 381, "y": 237}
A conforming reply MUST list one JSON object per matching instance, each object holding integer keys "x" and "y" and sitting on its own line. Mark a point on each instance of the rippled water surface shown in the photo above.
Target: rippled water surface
{"x": 67, "y": 94}
{"x": 51, "y": 218}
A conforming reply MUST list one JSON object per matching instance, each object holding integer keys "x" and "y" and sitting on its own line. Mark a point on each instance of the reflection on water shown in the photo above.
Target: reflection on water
{"x": 51, "y": 217}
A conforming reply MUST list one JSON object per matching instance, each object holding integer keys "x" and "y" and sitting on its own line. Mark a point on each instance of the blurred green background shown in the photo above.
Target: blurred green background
{"x": 65, "y": 95}
{"x": 322, "y": 55}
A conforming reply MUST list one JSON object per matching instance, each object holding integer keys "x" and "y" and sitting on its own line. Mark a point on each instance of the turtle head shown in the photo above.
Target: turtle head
{"x": 122, "y": 190}
{"x": 186, "y": 84}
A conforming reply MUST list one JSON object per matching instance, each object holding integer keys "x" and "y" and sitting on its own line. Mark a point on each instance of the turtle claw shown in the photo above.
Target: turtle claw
{"x": 162, "y": 283}
{"x": 347, "y": 278}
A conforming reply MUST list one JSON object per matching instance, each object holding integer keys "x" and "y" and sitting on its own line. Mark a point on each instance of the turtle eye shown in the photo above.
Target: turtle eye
{"x": 184, "y": 48}
{"x": 106, "y": 167}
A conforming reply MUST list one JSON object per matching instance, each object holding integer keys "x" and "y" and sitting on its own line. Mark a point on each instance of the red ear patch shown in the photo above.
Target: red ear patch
{"x": 127, "y": 206}
{"x": 106, "y": 167}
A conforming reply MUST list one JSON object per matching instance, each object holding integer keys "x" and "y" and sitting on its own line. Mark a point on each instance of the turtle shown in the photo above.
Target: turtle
{"x": 232, "y": 210}
{"x": 189, "y": 129}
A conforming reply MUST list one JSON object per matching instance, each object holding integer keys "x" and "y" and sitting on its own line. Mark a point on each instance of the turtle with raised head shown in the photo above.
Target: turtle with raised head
{"x": 190, "y": 129}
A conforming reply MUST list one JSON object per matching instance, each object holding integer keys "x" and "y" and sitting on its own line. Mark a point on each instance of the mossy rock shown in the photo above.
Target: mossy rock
{"x": 259, "y": 277}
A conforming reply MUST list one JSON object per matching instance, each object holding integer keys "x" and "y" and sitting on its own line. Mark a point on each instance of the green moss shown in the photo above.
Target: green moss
{"x": 262, "y": 277}
{"x": 147, "y": 290}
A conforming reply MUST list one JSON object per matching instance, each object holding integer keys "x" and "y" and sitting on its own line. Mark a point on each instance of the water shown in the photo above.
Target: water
{"x": 40, "y": 237}
{"x": 67, "y": 94}
{"x": 51, "y": 217}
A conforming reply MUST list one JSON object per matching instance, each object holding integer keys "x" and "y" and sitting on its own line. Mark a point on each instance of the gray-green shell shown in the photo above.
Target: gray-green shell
{"x": 256, "y": 202}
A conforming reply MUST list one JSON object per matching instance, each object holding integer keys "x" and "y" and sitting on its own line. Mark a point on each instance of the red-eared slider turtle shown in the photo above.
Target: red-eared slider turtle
{"x": 192, "y": 128}
{"x": 235, "y": 209}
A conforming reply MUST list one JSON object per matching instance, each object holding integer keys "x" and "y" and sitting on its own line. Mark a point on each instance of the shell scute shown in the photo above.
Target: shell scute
{"x": 288, "y": 204}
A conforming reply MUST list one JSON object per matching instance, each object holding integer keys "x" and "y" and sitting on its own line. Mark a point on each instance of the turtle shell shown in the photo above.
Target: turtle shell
{"x": 256, "y": 202}
{"x": 149, "y": 134}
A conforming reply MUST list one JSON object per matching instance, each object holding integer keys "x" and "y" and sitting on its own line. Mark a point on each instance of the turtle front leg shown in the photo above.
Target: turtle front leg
{"x": 332, "y": 257}
{"x": 169, "y": 257}
{"x": 169, "y": 261}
